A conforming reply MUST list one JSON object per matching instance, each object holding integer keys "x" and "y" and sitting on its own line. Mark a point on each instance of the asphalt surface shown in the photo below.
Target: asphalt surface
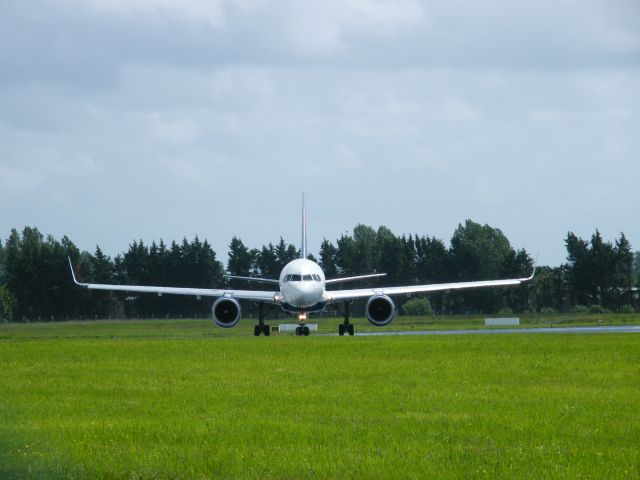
{"x": 497, "y": 331}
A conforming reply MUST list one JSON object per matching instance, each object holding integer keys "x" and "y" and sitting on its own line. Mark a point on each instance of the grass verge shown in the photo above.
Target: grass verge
{"x": 177, "y": 406}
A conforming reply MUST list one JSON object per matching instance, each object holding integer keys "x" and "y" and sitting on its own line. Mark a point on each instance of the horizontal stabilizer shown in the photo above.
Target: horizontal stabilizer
{"x": 353, "y": 279}
{"x": 252, "y": 279}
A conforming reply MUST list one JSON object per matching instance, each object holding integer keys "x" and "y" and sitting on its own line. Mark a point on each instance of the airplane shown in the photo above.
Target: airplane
{"x": 301, "y": 290}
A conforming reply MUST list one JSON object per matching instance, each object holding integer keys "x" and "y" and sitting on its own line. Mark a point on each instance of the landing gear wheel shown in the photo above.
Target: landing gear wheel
{"x": 261, "y": 327}
{"x": 346, "y": 327}
{"x": 305, "y": 331}
{"x": 298, "y": 331}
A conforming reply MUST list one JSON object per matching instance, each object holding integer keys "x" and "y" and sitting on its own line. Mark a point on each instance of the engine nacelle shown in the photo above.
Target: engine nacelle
{"x": 226, "y": 312}
{"x": 380, "y": 310}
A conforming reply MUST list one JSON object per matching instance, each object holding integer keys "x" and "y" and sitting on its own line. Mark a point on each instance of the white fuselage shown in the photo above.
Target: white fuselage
{"x": 302, "y": 285}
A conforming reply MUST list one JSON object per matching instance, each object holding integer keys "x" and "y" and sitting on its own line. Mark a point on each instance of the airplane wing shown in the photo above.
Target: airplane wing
{"x": 256, "y": 295}
{"x": 338, "y": 295}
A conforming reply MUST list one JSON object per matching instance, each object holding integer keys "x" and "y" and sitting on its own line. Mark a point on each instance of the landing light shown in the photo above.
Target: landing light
{"x": 302, "y": 317}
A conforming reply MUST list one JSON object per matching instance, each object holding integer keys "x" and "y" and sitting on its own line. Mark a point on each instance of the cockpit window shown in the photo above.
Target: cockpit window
{"x": 294, "y": 277}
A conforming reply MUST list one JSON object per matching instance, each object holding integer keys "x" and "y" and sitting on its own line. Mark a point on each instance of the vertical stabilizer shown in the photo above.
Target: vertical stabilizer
{"x": 304, "y": 229}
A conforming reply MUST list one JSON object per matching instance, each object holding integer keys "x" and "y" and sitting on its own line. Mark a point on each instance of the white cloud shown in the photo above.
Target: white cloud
{"x": 169, "y": 128}
{"x": 19, "y": 180}
{"x": 325, "y": 27}
{"x": 37, "y": 168}
{"x": 347, "y": 158}
{"x": 209, "y": 11}
{"x": 508, "y": 112}
{"x": 204, "y": 168}
{"x": 84, "y": 165}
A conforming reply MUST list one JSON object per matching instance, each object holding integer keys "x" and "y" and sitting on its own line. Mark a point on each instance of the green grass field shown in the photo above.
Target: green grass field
{"x": 204, "y": 328}
{"x": 183, "y": 399}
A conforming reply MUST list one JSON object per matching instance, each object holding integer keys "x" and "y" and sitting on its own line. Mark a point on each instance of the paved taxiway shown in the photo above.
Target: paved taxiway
{"x": 496, "y": 331}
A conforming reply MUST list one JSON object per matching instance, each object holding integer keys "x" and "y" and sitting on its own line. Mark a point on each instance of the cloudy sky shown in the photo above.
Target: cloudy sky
{"x": 123, "y": 119}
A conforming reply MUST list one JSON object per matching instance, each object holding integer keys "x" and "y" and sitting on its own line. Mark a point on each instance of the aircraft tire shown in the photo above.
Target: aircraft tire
{"x": 298, "y": 331}
{"x": 341, "y": 330}
{"x": 266, "y": 330}
{"x": 352, "y": 330}
{"x": 305, "y": 331}
{"x": 256, "y": 330}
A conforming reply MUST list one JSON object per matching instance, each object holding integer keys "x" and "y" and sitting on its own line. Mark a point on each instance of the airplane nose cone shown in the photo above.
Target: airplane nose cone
{"x": 306, "y": 295}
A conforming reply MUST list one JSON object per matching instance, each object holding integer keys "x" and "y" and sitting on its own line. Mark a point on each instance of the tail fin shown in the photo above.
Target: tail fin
{"x": 304, "y": 229}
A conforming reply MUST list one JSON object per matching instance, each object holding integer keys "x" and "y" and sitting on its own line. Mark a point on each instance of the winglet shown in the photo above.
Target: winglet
{"x": 73, "y": 274}
{"x": 535, "y": 266}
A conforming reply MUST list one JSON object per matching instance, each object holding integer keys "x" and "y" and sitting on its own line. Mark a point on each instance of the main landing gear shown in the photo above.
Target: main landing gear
{"x": 302, "y": 330}
{"x": 261, "y": 327}
{"x": 346, "y": 327}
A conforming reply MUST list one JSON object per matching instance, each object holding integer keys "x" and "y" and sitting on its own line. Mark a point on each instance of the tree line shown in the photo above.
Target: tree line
{"x": 35, "y": 282}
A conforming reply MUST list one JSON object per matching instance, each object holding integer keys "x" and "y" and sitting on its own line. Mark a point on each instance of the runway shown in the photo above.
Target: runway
{"x": 498, "y": 331}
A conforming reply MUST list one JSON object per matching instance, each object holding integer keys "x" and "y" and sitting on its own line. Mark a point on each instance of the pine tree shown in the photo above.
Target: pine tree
{"x": 623, "y": 274}
{"x": 240, "y": 260}
{"x": 479, "y": 252}
{"x": 328, "y": 259}
{"x": 3, "y": 265}
{"x": 267, "y": 262}
{"x": 578, "y": 270}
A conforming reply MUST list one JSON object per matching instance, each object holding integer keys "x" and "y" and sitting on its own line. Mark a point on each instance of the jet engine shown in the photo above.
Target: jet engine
{"x": 226, "y": 312}
{"x": 380, "y": 310}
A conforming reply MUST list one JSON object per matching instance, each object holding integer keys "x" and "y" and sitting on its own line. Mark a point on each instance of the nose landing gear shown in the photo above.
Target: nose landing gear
{"x": 302, "y": 330}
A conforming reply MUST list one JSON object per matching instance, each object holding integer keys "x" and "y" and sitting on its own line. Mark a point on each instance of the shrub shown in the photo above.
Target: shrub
{"x": 579, "y": 309}
{"x": 417, "y": 307}
{"x": 7, "y": 302}
{"x": 503, "y": 312}
{"x": 626, "y": 309}
{"x": 597, "y": 309}
{"x": 548, "y": 310}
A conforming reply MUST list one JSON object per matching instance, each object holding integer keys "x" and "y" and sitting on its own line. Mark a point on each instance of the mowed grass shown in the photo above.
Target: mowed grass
{"x": 205, "y": 328}
{"x": 183, "y": 405}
